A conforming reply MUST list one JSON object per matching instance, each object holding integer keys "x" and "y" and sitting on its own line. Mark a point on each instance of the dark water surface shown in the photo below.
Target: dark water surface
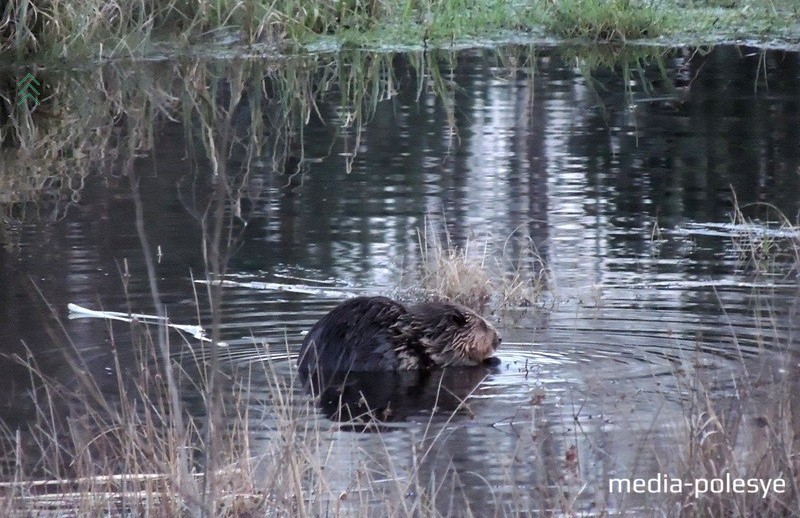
{"x": 622, "y": 184}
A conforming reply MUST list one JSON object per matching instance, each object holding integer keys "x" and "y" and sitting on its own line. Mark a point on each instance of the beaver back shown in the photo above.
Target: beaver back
{"x": 360, "y": 334}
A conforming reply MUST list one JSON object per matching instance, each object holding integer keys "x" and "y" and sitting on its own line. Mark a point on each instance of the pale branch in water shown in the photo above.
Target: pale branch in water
{"x": 76, "y": 311}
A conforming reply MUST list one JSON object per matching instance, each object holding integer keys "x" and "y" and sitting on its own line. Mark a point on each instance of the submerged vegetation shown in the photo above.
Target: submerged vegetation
{"x": 109, "y": 28}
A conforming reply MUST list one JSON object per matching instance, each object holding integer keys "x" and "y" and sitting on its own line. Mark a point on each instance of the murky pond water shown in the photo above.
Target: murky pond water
{"x": 616, "y": 189}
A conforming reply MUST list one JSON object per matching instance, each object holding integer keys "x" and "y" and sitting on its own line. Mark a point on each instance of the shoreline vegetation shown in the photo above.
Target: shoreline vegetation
{"x": 117, "y": 452}
{"x": 48, "y": 30}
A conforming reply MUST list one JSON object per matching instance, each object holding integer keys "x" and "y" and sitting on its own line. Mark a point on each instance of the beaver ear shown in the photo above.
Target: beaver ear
{"x": 459, "y": 317}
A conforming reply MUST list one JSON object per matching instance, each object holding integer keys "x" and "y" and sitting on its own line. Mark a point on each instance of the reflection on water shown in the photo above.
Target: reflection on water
{"x": 625, "y": 188}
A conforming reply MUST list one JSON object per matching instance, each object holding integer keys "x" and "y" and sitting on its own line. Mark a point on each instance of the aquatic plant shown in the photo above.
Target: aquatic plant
{"x": 768, "y": 243}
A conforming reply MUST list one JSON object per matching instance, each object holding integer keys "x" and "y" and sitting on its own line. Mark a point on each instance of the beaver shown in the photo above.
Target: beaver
{"x": 367, "y": 334}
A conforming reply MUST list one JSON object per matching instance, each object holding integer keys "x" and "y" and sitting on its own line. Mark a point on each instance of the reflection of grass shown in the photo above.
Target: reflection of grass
{"x": 629, "y": 63}
{"x": 591, "y": 58}
{"x": 48, "y": 153}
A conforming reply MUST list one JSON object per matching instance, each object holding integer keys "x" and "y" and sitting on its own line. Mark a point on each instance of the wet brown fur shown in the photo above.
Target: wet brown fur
{"x": 452, "y": 334}
{"x": 377, "y": 333}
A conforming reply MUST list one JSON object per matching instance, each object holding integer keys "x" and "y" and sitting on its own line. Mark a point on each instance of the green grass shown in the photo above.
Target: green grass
{"x": 607, "y": 20}
{"x": 756, "y": 21}
{"x": 59, "y": 29}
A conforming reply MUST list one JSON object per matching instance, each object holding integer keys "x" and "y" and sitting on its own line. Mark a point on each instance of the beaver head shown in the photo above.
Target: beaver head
{"x": 452, "y": 334}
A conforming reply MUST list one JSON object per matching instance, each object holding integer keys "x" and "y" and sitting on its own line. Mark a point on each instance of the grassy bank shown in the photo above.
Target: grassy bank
{"x": 54, "y": 29}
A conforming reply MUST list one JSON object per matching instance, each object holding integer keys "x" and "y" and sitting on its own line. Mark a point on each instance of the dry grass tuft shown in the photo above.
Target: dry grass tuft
{"x": 753, "y": 435}
{"x": 455, "y": 273}
{"x": 480, "y": 273}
